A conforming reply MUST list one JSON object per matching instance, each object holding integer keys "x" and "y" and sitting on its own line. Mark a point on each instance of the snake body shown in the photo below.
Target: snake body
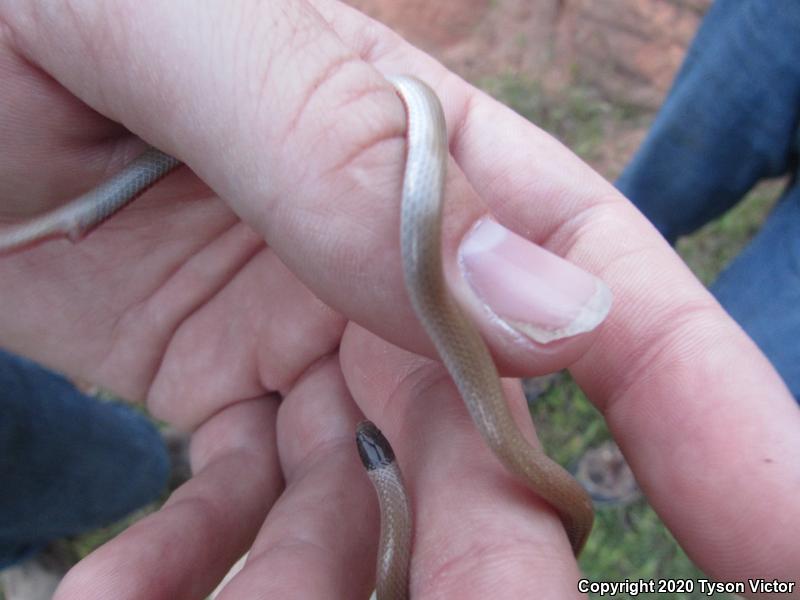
{"x": 460, "y": 346}
{"x": 79, "y": 216}
{"x": 456, "y": 339}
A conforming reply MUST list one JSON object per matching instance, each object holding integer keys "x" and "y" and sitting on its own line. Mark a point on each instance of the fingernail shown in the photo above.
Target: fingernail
{"x": 535, "y": 292}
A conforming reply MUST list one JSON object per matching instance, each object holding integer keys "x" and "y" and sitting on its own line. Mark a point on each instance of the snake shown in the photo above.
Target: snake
{"x": 456, "y": 339}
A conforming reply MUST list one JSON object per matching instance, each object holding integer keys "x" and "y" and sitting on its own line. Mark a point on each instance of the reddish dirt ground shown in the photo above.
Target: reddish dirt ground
{"x": 627, "y": 50}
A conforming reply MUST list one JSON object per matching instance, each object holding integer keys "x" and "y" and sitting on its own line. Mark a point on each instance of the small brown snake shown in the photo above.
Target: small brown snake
{"x": 457, "y": 341}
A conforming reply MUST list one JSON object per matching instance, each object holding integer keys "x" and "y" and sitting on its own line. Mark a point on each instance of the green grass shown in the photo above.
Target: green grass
{"x": 579, "y": 116}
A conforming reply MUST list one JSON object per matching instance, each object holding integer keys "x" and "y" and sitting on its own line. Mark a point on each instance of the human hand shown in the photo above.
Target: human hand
{"x": 323, "y": 198}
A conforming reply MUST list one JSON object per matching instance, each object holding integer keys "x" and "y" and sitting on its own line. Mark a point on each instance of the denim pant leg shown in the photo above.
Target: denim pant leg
{"x": 68, "y": 463}
{"x": 729, "y": 120}
{"x": 761, "y": 289}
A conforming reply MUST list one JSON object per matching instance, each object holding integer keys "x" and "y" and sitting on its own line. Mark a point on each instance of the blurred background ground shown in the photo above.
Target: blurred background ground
{"x": 592, "y": 74}
{"x": 566, "y": 64}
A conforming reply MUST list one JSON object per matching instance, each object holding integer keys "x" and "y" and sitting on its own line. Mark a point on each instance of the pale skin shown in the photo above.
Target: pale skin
{"x": 281, "y": 109}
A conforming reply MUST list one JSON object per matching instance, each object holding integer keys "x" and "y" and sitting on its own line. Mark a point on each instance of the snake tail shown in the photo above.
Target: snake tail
{"x": 79, "y": 216}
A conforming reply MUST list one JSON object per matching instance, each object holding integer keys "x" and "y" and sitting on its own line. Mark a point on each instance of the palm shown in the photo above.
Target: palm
{"x": 125, "y": 307}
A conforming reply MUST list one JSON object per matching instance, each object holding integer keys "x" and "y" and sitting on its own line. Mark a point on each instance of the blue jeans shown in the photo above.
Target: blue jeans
{"x": 732, "y": 118}
{"x": 68, "y": 463}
